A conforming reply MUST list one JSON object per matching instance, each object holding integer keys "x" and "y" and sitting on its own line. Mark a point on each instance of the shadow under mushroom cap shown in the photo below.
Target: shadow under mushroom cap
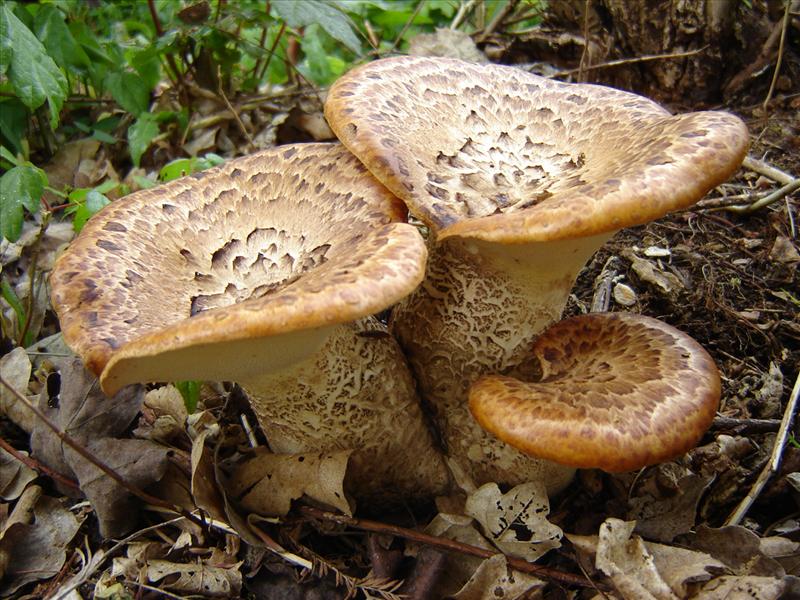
{"x": 496, "y": 153}
{"x": 291, "y": 238}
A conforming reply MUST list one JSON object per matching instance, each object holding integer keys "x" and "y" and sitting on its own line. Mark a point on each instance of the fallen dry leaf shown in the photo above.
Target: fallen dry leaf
{"x": 14, "y": 476}
{"x": 97, "y": 423}
{"x": 267, "y": 483}
{"x": 35, "y": 549}
{"x": 205, "y": 488}
{"x": 664, "y": 516}
{"x": 744, "y": 588}
{"x": 737, "y": 547}
{"x": 166, "y": 411}
{"x": 15, "y": 368}
{"x": 221, "y": 582}
{"x": 515, "y": 522}
{"x": 627, "y": 561}
{"x": 494, "y": 580}
{"x": 649, "y": 272}
{"x": 642, "y": 569}
{"x": 783, "y": 251}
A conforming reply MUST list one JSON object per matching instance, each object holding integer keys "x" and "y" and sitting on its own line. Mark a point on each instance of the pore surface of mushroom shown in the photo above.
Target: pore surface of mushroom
{"x": 263, "y": 271}
{"x": 520, "y": 180}
{"x": 614, "y": 391}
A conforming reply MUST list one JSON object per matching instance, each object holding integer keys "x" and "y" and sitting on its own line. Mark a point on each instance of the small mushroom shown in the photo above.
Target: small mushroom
{"x": 264, "y": 271}
{"x": 519, "y": 179}
{"x": 614, "y": 391}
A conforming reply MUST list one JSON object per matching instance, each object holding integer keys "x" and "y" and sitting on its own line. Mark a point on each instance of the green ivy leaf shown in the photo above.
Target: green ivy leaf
{"x": 35, "y": 77}
{"x": 93, "y": 203}
{"x": 141, "y": 134}
{"x": 20, "y": 187}
{"x": 129, "y": 90}
{"x": 301, "y": 13}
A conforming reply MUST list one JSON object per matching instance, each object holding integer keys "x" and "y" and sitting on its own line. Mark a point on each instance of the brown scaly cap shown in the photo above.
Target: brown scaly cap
{"x": 617, "y": 392}
{"x": 496, "y": 153}
{"x": 288, "y": 239}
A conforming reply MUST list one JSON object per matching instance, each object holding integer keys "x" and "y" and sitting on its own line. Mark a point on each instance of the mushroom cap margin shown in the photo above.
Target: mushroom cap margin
{"x": 640, "y": 160}
{"x": 617, "y": 392}
{"x": 99, "y": 279}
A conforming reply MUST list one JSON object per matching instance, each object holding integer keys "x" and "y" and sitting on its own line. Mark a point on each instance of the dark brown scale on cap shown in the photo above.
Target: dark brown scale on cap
{"x": 509, "y": 150}
{"x": 616, "y": 392}
{"x": 306, "y": 222}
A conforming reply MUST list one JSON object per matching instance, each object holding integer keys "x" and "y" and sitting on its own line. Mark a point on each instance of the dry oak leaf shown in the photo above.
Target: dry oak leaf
{"x": 221, "y": 582}
{"x": 267, "y": 483}
{"x": 98, "y": 423}
{"x": 494, "y": 580}
{"x": 515, "y": 522}
{"x": 14, "y": 476}
{"x": 644, "y": 570}
{"x": 33, "y": 545}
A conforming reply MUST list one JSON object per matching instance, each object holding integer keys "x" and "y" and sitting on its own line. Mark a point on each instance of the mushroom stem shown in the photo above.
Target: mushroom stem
{"x": 354, "y": 392}
{"x": 478, "y": 310}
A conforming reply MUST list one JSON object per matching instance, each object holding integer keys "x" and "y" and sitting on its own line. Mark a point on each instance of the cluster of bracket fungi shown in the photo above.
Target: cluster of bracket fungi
{"x": 267, "y": 270}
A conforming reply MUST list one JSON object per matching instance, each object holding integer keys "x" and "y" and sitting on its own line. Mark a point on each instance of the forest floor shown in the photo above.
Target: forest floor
{"x": 727, "y": 277}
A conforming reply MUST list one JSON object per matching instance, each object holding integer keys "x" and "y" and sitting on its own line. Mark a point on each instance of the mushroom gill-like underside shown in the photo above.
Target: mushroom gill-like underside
{"x": 613, "y": 391}
{"x": 496, "y": 153}
{"x": 289, "y": 238}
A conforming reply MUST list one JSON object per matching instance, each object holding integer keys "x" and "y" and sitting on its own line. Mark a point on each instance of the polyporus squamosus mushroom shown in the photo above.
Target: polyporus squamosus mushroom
{"x": 263, "y": 271}
{"x": 520, "y": 180}
{"x": 612, "y": 391}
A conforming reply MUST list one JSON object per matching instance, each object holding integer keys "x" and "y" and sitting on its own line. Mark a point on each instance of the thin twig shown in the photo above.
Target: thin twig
{"x": 779, "y": 59}
{"x": 271, "y": 51}
{"x": 160, "y": 32}
{"x": 236, "y": 118}
{"x": 497, "y": 20}
{"x": 88, "y": 456}
{"x": 445, "y": 544}
{"x": 628, "y": 61}
{"x": 34, "y": 464}
{"x": 778, "y": 194}
{"x": 745, "y": 426}
{"x": 767, "y": 170}
{"x": 464, "y": 9}
{"x": 32, "y": 279}
{"x": 585, "y": 52}
{"x": 262, "y": 40}
{"x": 407, "y": 24}
{"x": 775, "y": 459}
{"x": 100, "y": 557}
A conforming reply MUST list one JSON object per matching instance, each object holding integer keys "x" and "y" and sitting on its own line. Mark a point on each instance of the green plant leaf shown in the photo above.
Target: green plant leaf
{"x": 141, "y": 134}
{"x": 301, "y": 13}
{"x": 316, "y": 58}
{"x": 53, "y": 32}
{"x": 129, "y": 90}
{"x": 13, "y": 123}
{"x": 10, "y": 296}
{"x": 93, "y": 203}
{"x": 190, "y": 390}
{"x": 20, "y": 187}
{"x": 34, "y": 76}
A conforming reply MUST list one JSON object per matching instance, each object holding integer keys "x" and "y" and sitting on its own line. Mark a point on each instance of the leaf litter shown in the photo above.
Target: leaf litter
{"x": 730, "y": 281}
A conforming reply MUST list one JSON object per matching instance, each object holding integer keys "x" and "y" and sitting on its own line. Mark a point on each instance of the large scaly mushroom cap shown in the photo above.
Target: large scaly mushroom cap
{"x": 614, "y": 391}
{"x": 499, "y": 154}
{"x": 290, "y": 239}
